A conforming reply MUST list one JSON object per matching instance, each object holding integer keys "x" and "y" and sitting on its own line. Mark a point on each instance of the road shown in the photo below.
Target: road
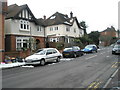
{"x": 88, "y": 71}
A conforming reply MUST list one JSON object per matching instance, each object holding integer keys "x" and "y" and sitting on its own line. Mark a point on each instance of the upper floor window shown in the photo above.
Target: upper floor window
{"x": 74, "y": 30}
{"x": 51, "y": 28}
{"x": 67, "y": 29}
{"x": 24, "y": 25}
{"x": 56, "y": 28}
{"x": 39, "y": 29}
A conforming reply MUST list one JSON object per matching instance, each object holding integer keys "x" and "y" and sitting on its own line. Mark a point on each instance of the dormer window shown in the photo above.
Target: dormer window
{"x": 24, "y": 25}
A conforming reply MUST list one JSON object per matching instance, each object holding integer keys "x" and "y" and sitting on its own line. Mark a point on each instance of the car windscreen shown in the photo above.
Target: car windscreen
{"x": 67, "y": 49}
{"x": 40, "y": 52}
{"x": 117, "y": 46}
{"x": 89, "y": 46}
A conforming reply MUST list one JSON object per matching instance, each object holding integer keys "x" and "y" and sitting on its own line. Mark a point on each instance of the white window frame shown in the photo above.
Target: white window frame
{"x": 25, "y": 25}
{"x": 39, "y": 28}
{"x": 21, "y": 41}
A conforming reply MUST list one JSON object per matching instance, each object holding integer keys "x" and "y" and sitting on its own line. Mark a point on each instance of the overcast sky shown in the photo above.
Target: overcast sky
{"x": 98, "y": 14}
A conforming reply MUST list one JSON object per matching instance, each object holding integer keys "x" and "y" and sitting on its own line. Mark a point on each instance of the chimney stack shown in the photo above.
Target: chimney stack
{"x": 44, "y": 17}
{"x": 71, "y": 14}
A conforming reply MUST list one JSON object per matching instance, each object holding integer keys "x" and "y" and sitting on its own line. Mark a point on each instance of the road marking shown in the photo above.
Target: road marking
{"x": 94, "y": 85}
{"x": 91, "y": 85}
{"x": 115, "y": 65}
{"x": 91, "y": 57}
{"x": 110, "y": 79}
{"x": 97, "y": 85}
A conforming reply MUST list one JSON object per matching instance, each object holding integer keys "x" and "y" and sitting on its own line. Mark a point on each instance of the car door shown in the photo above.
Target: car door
{"x": 94, "y": 48}
{"x": 49, "y": 55}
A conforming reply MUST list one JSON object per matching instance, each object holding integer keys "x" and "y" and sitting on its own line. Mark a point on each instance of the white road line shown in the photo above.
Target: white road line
{"x": 91, "y": 57}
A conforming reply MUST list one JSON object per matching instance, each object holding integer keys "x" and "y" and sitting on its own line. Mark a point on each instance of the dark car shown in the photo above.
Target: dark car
{"x": 118, "y": 41}
{"x": 116, "y": 49}
{"x": 90, "y": 48}
{"x": 72, "y": 52}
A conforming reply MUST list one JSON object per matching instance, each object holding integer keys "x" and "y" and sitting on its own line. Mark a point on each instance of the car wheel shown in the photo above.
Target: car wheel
{"x": 58, "y": 59}
{"x": 96, "y": 51}
{"x": 42, "y": 62}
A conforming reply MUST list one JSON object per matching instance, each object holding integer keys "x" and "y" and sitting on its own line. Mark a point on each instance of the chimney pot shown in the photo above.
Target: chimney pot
{"x": 71, "y": 14}
{"x": 44, "y": 17}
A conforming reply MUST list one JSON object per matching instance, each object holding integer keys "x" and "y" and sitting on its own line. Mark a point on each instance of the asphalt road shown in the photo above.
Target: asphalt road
{"x": 89, "y": 71}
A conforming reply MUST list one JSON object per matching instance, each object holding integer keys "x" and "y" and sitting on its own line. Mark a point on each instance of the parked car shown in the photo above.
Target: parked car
{"x": 116, "y": 49}
{"x": 44, "y": 55}
{"x": 90, "y": 48}
{"x": 118, "y": 41}
{"x": 73, "y": 51}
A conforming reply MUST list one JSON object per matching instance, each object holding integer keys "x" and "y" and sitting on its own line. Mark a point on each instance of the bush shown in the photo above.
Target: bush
{"x": 59, "y": 45}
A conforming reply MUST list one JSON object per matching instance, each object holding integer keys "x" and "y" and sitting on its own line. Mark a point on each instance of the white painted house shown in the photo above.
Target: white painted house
{"x": 60, "y": 27}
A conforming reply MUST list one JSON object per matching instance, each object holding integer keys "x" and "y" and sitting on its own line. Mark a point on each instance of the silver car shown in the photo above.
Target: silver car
{"x": 116, "y": 49}
{"x": 44, "y": 55}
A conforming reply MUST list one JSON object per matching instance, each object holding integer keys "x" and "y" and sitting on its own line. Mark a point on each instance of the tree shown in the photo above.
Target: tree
{"x": 83, "y": 26}
{"x": 94, "y": 36}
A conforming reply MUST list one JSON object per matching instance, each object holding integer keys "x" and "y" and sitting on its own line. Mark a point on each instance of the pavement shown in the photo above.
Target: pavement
{"x": 11, "y": 65}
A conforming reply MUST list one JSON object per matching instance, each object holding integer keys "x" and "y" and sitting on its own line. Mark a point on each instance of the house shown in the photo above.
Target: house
{"x": 22, "y": 30}
{"x": 108, "y": 36}
{"x": 3, "y": 8}
{"x": 61, "y": 28}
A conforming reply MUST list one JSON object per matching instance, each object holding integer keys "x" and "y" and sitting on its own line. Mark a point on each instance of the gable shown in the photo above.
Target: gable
{"x": 25, "y": 14}
{"x": 20, "y": 12}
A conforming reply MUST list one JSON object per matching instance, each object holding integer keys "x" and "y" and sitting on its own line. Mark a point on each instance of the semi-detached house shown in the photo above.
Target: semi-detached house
{"x": 61, "y": 28}
{"x": 21, "y": 27}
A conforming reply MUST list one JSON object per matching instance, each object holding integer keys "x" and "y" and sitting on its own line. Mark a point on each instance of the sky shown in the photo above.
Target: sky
{"x": 98, "y": 14}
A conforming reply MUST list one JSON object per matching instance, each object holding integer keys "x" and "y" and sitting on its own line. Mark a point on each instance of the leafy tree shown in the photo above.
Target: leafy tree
{"x": 83, "y": 26}
{"x": 94, "y": 36}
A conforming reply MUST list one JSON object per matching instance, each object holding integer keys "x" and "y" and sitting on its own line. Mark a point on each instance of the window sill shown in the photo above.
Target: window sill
{"x": 25, "y": 30}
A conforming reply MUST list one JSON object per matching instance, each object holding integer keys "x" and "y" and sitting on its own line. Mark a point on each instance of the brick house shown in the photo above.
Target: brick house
{"x": 108, "y": 36}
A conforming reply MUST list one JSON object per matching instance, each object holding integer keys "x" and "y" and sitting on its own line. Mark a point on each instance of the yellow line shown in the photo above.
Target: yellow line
{"x": 114, "y": 65}
{"x": 97, "y": 85}
{"x": 90, "y": 86}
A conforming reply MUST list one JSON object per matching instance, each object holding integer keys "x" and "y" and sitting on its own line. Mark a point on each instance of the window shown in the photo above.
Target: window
{"x": 39, "y": 29}
{"x": 74, "y": 30}
{"x": 24, "y": 25}
{"x": 49, "y": 52}
{"x": 67, "y": 29}
{"x": 54, "y": 51}
{"x": 22, "y": 43}
{"x": 51, "y": 28}
{"x": 56, "y": 28}
{"x": 54, "y": 39}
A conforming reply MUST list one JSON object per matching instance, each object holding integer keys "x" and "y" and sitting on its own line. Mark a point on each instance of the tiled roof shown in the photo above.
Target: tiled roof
{"x": 59, "y": 18}
{"x": 14, "y": 10}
